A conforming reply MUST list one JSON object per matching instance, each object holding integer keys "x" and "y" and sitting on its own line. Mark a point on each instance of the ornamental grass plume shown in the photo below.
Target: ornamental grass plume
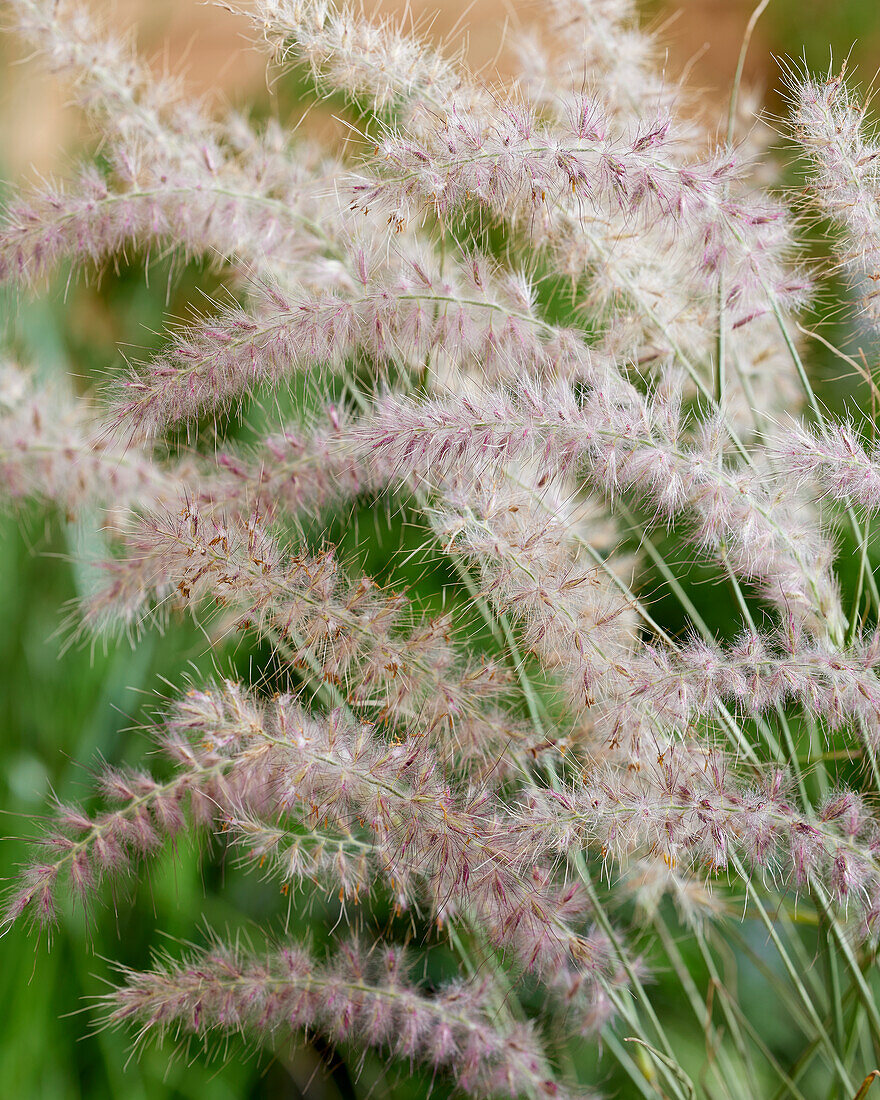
{"x": 537, "y": 789}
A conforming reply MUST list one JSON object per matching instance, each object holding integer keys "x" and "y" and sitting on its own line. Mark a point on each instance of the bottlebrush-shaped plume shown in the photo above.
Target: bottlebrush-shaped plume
{"x": 359, "y": 640}
{"x": 356, "y": 997}
{"x": 54, "y": 448}
{"x": 260, "y": 772}
{"x": 396, "y": 308}
{"x": 835, "y": 461}
{"x": 620, "y": 440}
{"x": 545, "y": 329}
{"x": 690, "y": 810}
{"x": 829, "y": 125}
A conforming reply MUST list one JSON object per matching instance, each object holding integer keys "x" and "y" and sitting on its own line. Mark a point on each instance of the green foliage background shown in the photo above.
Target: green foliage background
{"x": 64, "y": 707}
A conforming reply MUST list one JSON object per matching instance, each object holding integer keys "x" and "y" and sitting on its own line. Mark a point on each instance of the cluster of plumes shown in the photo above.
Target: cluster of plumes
{"x": 393, "y": 306}
{"x": 577, "y": 176}
{"x": 54, "y": 447}
{"x": 357, "y": 997}
{"x": 578, "y": 618}
{"x": 329, "y": 800}
{"x": 658, "y": 238}
{"x": 829, "y": 124}
{"x": 402, "y": 761}
{"x": 688, "y": 810}
{"x": 175, "y": 177}
{"x": 363, "y": 643}
{"x": 761, "y": 527}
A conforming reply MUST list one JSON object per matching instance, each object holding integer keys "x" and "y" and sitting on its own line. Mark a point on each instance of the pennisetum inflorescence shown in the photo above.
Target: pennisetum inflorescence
{"x": 554, "y": 323}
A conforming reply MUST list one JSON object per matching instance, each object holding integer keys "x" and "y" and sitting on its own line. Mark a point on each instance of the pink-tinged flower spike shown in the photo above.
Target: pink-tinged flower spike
{"x": 578, "y": 190}
{"x": 53, "y": 447}
{"x": 179, "y": 177}
{"x": 516, "y": 164}
{"x": 432, "y": 842}
{"x": 396, "y": 307}
{"x": 367, "y": 59}
{"x": 750, "y": 241}
{"x": 758, "y": 673}
{"x": 135, "y": 109}
{"x": 621, "y": 440}
{"x": 111, "y": 81}
{"x": 829, "y": 125}
{"x": 192, "y": 209}
{"x": 212, "y": 780}
{"x": 640, "y": 695}
{"x": 701, "y": 817}
{"x": 300, "y": 469}
{"x": 597, "y": 46}
{"x": 358, "y": 997}
{"x": 751, "y": 245}
{"x": 530, "y": 567}
{"x": 217, "y": 361}
{"x": 362, "y": 641}
{"x": 835, "y": 461}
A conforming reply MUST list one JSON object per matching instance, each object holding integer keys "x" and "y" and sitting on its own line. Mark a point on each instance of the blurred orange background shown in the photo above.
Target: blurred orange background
{"x": 211, "y": 48}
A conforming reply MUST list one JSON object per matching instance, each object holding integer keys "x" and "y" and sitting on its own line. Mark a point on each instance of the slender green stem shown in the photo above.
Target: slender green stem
{"x": 788, "y": 1082}
{"x": 732, "y": 1022}
{"x": 863, "y": 989}
{"x": 805, "y": 999}
{"x": 602, "y": 920}
{"x": 646, "y": 1085}
{"x": 740, "y": 66}
{"x": 703, "y": 1013}
{"x": 823, "y": 426}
